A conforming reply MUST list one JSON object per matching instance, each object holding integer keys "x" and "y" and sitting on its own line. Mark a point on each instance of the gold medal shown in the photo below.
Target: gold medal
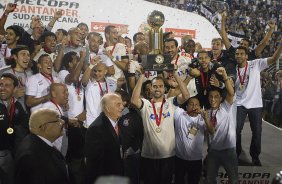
{"x": 205, "y": 92}
{"x": 10, "y": 130}
{"x": 78, "y": 98}
{"x": 158, "y": 129}
{"x": 241, "y": 87}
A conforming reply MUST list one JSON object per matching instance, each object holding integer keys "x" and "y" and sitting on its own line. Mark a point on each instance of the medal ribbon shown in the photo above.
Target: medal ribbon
{"x": 112, "y": 51}
{"x": 176, "y": 59}
{"x": 245, "y": 72}
{"x": 101, "y": 90}
{"x": 204, "y": 82}
{"x": 158, "y": 117}
{"x": 77, "y": 88}
{"x": 11, "y": 112}
{"x": 213, "y": 118}
{"x": 57, "y": 107}
{"x": 49, "y": 77}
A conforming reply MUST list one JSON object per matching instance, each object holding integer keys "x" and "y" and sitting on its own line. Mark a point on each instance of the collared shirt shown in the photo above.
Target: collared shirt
{"x": 114, "y": 123}
{"x": 45, "y": 140}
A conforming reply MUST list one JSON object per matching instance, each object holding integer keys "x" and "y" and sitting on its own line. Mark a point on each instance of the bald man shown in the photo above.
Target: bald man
{"x": 97, "y": 85}
{"x": 103, "y": 150}
{"x": 37, "y": 161}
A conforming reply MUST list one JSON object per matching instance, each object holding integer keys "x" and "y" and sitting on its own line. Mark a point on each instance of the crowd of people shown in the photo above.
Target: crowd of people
{"x": 247, "y": 19}
{"x": 75, "y": 107}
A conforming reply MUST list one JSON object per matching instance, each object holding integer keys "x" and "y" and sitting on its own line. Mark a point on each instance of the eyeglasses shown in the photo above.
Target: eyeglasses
{"x": 60, "y": 121}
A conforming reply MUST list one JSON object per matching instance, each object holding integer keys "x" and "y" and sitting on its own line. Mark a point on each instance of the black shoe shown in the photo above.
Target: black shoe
{"x": 256, "y": 162}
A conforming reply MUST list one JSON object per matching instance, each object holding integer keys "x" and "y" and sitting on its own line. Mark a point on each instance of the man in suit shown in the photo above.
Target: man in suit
{"x": 103, "y": 150}
{"x": 37, "y": 160}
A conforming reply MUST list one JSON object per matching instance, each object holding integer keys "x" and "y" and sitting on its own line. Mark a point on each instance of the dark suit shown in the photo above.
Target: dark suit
{"x": 38, "y": 163}
{"x": 102, "y": 150}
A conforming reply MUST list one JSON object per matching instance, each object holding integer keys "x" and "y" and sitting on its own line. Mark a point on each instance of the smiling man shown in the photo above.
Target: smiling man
{"x": 20, "y": 70}
{"x": 159, "y": 138}
{"x": 37, "y": 87}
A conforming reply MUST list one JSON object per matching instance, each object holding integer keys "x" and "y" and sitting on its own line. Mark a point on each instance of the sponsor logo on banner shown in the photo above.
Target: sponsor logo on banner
{"x": 45, "y": 10}
{"x": 100, "y": 27}
{"x": 181, "y": 32}
{"x": 250, "y": 175}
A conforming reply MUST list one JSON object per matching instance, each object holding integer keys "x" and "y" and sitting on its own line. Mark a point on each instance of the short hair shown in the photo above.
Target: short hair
{"x": 127, "y": 38}
{"x": 70, "y": 31}
{"x": 145, "y": 84}
{"x": 171, "y": 40}
{"x": 106, "y": 98}
{"x": 158, "y": 78}
{"x": 243, "y": 48}
{"x": 166, "y": 35}
{"x": 217, "y": 39}
{"x": 83, "y": 24}
{"x": 213, "y": 88}
{"x": 41, "y": 57}
{"x": 193, "y": 97}
{"x": 35, "y": 120}
{"x": 108, "y": 29}
{"x": 124, "y": 96}
{"x": 67, "y": 59}
{"x": 12, "y": 77}
{"x": 135, "y": 36}
{"x": 94, "y": 34}
{"x": 19, "y": 48}
{"x": 54, "y": 85}
{"x": 45, "y": 35}
{"x": 202, "y": 52}
{"x": 65, "y": 33}
{"x": 18, "y": 30}
{"x": 246, "y": 39}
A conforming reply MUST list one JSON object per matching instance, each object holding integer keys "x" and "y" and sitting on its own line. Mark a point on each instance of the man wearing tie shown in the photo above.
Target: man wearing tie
{"x": 103, "y": 150}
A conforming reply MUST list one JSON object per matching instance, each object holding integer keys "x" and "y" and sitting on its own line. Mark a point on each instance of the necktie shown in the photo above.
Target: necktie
{"x": 116, "y": 129}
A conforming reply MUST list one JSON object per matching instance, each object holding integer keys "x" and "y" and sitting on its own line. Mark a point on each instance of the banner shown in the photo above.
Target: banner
{"x": 127, "y": 15}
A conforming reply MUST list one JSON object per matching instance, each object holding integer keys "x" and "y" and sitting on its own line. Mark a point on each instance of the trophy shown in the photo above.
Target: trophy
{"x": 156, "y": 60}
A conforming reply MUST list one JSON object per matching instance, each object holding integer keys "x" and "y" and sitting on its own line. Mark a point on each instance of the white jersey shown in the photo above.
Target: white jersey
{"x": 182, "y": 66}
{"x": 188, "y": 145}
{"x": 157, "y": 145}
{"x": 117, "y": 51}
{"x": 250, "y": 96}
{"x": 225, "y": 129}
{"x": 93, "y": 95}
{"x": 76, "y": 96}
{"x": 38, "y": 86}
{"x": 5, "y": 52}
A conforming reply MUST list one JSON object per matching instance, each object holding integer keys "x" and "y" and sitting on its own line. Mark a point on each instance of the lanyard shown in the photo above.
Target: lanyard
{"x": 101, "y": 90}
{"x": 158, "y": 117}
{"x": 213, "y": 118}
{"x": 244, "y": 76}
{"x": 57, "y": 107}
{"x": 112, "y": 51}
{"x": 11, "y": 112}
{"x": 19, "y": 78}
{"x": 204, "y": 82}
{"x": 176, "y": 59}
{"x": 48, "y": 77}
{"x": 77, "y": 88}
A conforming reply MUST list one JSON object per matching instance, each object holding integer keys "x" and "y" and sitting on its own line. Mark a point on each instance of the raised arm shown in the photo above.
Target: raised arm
{"x": 181, "y": 98}
{"x": 58, "y": 14}
{"x": 87, "y": 73}
{"x": 135, "y": 98}
{"x": 276, "y": 54}
{"x": 223, "y": 32}
{"x": 265, "y": 40}
{"x": 228, "y": 85}
{"x": 9, "y": 8}
{"x": 73, "y": 77}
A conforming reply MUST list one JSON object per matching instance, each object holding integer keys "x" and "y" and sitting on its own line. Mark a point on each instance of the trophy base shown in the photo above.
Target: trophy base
{"x": 150, "y": 63}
